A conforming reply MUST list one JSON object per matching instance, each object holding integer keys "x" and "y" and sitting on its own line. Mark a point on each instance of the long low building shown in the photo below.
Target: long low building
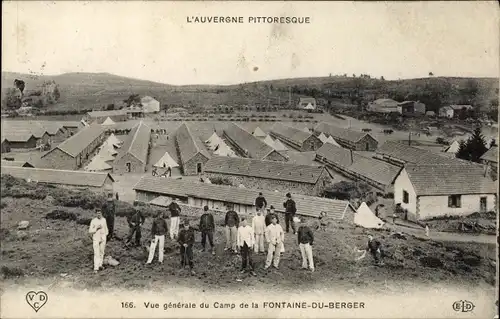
{"x": 19, "y": 132}
{"x": 191, "y": 150}
{"x": 217, "y": 197}
{"x": 273, "y": 175}
{"x": 298, "y": 139}
{"x": 75, "y": 179}
{"x": 376, "y": 173}
{"x": 357, "y": 141}
{"x": 101, "y": 116}
{"x": 250, "y": 146}
{"x": 134, "y": 153}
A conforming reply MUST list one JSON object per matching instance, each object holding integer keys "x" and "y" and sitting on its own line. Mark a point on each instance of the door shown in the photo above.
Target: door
{"x": 482, "y": 204}
{"x": 198, "y": 168}
{"x": 367, "y": 146}
{"x": 128, "y": 167}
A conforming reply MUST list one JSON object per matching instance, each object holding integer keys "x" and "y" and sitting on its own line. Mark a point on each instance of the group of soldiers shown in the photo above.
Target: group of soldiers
{"x": 243, "y": 236}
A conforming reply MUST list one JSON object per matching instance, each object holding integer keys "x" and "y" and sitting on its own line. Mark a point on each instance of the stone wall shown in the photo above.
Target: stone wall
{"x": 57, "y": 159}
{"x": 190, "y": 167}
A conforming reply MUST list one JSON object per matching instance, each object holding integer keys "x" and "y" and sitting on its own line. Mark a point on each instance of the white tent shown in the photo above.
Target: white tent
{"x": 364, "y": 217}
{"x": 309, "y": 107}
{"x": 332, "y": 141}
{"x": 97, "y": 164}
{"x": 108, "y": 121}
{"x": 258, "y": 132}
{"x": 306, "y": 129}
{"x": 107, "y": 149}
{"x": 214, "y": 141}
{"x": 224, "y": 150}
{"x": 453, "y": 148}
{"x": 322, "y": 137}
{"x": 112, "y": 139}
{"x": 269, "y": 141}
{"x": 84, "y": 123}
{"x": 279, "y": 146}
{"x": 166, "y": 161}
{"x": 105, "y": 156}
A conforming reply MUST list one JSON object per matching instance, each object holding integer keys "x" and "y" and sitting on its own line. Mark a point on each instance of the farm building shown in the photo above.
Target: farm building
{"x": 411, "y": 107}
{"x": 216, "y": 197}
{"x": 150, "y": 105}
{"x": 490, "y": 158}
{"x": 71, "y": 126}
{"x": 191, "y": 150}
{"x": 307, "y": 103}
{"x": 74, "y": 151}
{"x": 19, "y": 140}
{"x": 101, "y": 116}
{"x": 357, "y": 141}
{"x": 43, "y": 131}
{"x": 133, "y": 155}
{"x": 101, "y": 182}
{"x": 383, "y": 106}
{"x": 446, "y": 111}
{"x": 399, "y": 154}
{"x": 250, "y": 146}
{"x": 298, "y": 139}
{"x": 272, "y": 175}
{"x": 376, "y": 173}
{"x": 428, "y": 191}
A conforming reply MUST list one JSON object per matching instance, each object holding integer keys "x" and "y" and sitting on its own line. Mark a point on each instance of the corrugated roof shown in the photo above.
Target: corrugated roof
{"x": 246, "y": 141}
{"x": 292, "y": 133}
{"x": 188, "y": 144}
{"x": 339, "y": 132}
{"x": 371, "y": 168}
{"x": 55, "y": 176}
{"x": 264, "y": 169}
{"x": 137, "y": 143}
{"x": 491, "y": 155}
{"x": 450, "y": 179}
{"x": 107, "y": 113}
{"x": 306, "y": 205}
{"x": 75, "y": 144}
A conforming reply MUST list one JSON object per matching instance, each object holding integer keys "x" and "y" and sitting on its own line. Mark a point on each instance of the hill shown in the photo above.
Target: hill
{"x": 96, "y": 90}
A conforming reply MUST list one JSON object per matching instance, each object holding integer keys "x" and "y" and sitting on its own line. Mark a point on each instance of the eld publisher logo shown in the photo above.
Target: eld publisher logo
{"x": 463, "y": 306}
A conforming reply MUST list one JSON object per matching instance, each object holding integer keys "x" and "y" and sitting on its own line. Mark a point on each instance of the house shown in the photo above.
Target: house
{"x": 250, "y": 146}
{"x": 100, "y": 182}
{"x": 490, "y": 158}
{"x": 19, "y": 140}
{"x": 411, "y": 107}
{"x": 273, "y": 175}
{"x": 150, "y": 105}
{"x": 133, "y": 155}
{"x": 430, "y": 113}
{"x": 18, "y": 133}
{"x": 217, "y": 197}
{"x": 307, "y": 103}
{"x": 383, "y": 106}
{"x": 350, "y": 164}
{"x": 357, "y": 141}
{"x": 436, "y": 190}
{"x": 296, "y": 138}
{"x": 74, "y": 151}
{"x": 5, "y": 145}
{"x": 446, "y": 111}
{"x": 101, "y": 116}
{"x": 191, "y": 150}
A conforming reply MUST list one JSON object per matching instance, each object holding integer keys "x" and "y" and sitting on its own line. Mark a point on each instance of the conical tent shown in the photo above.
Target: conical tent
{"x": 332, "y": 141}
{"x": 269, "y": 141}
{"x": 309, "y": 107}
{"x": 364, "y": 217}
{"x": 97, "y": 164}
{"x": 107, "y": 149}
{"x": 305, "y": 129}
{"x": 258, "y": 132}
{"x": 214, "y": 137}
{"x": 108, "y": 121}
{"x": 166, "y": 161}
{"x": 453, "y": 148}
{"x": 214, "y": 141}
{"x": 322, "y": 137}
{"x": 105, "y": 155}
{"x": 112, "y": 139}
{"x": 279, "y": 146}
{"x": 224, "y": 150}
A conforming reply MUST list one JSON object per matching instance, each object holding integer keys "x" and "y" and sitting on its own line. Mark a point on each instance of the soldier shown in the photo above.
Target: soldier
{"x": 186, "y": 241}
{"x": 207, "y": 228}
{"x": 99, "y": 229}
{"x": 135, "y": 221}
{"x": 109, "y": 215}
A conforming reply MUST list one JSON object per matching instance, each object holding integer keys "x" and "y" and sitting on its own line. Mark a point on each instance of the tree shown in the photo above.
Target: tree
{"x": 12, "y": 99}
{"x": 382, "y": 78}
{"x": 56, "y": 93}
{"x": 431, "y": 74}
{"x": 132, "y": 99}
{"x": 473, "y": 148}
{"x": 462, "y": 152}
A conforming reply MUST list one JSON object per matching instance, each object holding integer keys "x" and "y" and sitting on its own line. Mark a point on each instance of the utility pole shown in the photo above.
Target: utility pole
{"x": 409, "y": 138}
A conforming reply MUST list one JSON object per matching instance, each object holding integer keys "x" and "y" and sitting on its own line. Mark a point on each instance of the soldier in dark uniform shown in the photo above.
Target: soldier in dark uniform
{"x": 186, "y": 241}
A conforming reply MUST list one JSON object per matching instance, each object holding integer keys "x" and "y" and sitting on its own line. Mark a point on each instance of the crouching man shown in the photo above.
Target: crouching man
{"x": 374, "y": 248}
{"x": 99, "y": 230}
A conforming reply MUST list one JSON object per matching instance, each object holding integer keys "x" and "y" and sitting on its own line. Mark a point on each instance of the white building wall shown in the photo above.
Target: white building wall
{"x": 403, "y": 183}
{"x": 432, "y": 206}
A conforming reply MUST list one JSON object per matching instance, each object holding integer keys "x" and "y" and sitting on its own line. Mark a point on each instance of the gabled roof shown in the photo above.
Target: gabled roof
{"x": 75, "y": 144}
{"x": 137, "y": 143}
{"x": 306, "y": 205}
{"x": 307, "y": 100}
{"x": 22, "y": 136}
{"x": 166, "y": 161}
{"x": 292, "y": 133}
{"x": 188, "y": 144}
{"x": 16, "y": 163}
{"x": 341, "y": 133}
{"x": 269, "y": 141}
{"x": 256, "y": 148}
{"x": 264, "y": 169}
{"x": 108, "y": 121}
{"x": 55, "y": 176}
{"x": 95, "y": 114}
{"x": 384, "y": 103}
{"x": 491, "y": 155}
{"x": 279, "y": 146}
{"x": 302, "y": 158}
{"x": 449, "y": 179}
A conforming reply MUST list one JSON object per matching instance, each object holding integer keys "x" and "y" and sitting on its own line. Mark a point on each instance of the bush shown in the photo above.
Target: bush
{"x": 61, "y": 214}
{"x": 221, "y": 181}
{"x": 11, "y": 272}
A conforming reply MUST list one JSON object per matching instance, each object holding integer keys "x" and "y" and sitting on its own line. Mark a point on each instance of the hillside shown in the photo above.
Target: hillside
{"x": 96, "y": 90}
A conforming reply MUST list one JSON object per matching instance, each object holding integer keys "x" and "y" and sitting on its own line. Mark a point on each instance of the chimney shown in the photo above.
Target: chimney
{"x": 352, "y": 160}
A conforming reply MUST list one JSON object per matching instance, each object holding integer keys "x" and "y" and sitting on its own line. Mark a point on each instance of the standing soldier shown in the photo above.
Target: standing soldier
{"x": 207, "y": 227}
{"x": 275, "y": 237}
{"x": 186, "y": 240}
{"x": 259, "y": 229}
{"x": 109, "y": 215}
{"x": 158, "y": 231}
{"x": 135, "y": 222}
{"x": 232, "y": 222}
{"x": 306, "y": 238}
{"x": 99, "y": 230}
{"x": 290, "y": 210}
{"x": 270, "y": 214}
{"x": 175, "y": 212}
{"x": 260, "y": 202}
{"x": 246, "y": 242}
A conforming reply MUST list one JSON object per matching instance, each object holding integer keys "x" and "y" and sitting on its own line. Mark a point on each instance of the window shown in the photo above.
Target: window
{"x": 406, "y": 197}
{"x": 483, "y": 204}
{"x": 129, "y": 167}
{"x": 454, "y": 201}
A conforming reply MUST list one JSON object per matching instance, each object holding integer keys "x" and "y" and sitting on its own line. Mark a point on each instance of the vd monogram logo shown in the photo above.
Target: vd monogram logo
{"x": 36, "y": 299}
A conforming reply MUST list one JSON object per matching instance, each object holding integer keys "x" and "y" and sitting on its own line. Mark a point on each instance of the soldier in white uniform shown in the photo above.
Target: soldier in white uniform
{"x": 99, "y": 230}
{"x": 274, "y": 237}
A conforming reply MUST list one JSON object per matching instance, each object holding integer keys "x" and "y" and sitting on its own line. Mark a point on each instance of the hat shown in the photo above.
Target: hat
{"x": 288, "y": 195}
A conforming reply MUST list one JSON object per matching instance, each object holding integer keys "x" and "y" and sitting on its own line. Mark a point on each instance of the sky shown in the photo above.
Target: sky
{"x": 154, "y": 41}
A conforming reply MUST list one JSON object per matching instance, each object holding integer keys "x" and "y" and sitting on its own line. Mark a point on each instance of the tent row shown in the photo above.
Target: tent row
{"x": 219, "y": 147}
{"x": 329, "y": 139}
{"x": 107, "y": 152}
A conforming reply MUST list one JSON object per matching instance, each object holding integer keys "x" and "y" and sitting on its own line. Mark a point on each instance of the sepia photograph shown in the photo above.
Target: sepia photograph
{"x": 249, "y": 159}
